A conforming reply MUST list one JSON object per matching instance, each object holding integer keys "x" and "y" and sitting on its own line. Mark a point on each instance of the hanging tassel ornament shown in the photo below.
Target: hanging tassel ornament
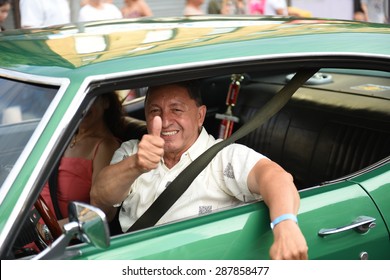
{"x": 228, "y": 119}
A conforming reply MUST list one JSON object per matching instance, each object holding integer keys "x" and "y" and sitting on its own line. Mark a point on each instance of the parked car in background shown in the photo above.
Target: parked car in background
{"x": 333, "y": 135}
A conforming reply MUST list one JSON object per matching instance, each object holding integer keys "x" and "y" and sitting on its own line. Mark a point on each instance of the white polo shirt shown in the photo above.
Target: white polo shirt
{"x": 41, "y": 13}
{"x": 223, "y": 183}
{"x": 90, "y": 13}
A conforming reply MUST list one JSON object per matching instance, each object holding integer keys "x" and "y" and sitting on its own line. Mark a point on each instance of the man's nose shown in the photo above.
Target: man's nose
{"x": 166, "y": 118}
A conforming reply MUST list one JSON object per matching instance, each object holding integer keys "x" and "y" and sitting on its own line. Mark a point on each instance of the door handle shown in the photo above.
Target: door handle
{"x": 361, "y": 224}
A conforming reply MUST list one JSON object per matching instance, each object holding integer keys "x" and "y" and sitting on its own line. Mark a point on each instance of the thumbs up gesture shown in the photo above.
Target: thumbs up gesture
{"x": 156, "y": 126}
{"x": 151, "y": 147}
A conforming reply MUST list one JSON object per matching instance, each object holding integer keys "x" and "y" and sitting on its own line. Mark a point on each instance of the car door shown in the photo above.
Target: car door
{"x": 336, "y": 210}
{"x": 244, "y": 232}
{"x": 239, "y": 233}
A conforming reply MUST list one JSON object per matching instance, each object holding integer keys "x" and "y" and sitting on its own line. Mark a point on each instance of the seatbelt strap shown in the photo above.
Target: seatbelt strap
{"x": 180, "y": 184}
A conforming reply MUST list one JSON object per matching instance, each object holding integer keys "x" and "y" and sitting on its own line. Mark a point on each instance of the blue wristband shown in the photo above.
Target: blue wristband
{"x": 283, "y": 218}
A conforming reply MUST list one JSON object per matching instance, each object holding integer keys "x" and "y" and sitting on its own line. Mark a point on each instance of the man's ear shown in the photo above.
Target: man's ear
{"x": 202, "y": 114}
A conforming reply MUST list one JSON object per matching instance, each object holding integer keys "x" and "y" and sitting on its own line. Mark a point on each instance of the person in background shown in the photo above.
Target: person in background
{"x": 227, "y": 7}
{"x": 5, "y": 7}
{"x": 193, "y": 8}
{"x": 268, "y": 7}
{"x": 141, "y": 170}
{"x": 41, "y": 13}
{"x": 374, "y": 10}
{"x": 85, "y": 2}
{"x": 99, "y": 10}
{"x": 358, "y": 13}
{"x": 135, "y": 9}
{"x": 100, "y": 133}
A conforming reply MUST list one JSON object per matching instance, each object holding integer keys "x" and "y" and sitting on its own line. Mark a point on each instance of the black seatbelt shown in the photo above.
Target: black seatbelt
{"x": 180, "y": 184}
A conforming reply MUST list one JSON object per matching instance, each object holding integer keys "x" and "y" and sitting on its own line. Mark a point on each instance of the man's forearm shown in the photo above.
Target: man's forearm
{"x": 276, "y": 186}
{"x": 113, "y": 183}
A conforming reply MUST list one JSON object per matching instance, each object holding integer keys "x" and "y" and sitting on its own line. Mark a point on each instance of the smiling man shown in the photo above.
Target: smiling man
{"x": 141, "y": 170}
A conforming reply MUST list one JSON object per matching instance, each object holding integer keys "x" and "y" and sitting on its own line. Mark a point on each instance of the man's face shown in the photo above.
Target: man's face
{"x": 181, "y": 118}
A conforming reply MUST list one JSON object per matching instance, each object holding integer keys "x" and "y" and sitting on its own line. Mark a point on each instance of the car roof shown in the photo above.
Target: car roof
{"x": 99, "y": 48}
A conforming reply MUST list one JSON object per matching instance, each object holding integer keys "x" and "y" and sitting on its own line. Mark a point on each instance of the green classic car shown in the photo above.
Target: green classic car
{"x": 333, "y": 135}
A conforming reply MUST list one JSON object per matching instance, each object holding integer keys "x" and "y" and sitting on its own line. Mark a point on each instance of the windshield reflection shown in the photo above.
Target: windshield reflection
{"x": 22, "y": 106}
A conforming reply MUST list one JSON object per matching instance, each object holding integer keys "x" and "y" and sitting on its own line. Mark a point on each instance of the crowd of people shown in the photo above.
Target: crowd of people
{"x": 237, "y": 7}
{"x": 364, "y": 10}
{"x": 40, "y": 13}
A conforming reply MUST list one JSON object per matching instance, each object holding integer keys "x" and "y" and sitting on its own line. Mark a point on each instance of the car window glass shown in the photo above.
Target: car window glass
{"x": 22, "y": 105}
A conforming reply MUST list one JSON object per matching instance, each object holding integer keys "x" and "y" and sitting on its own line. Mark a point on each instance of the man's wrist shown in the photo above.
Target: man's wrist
{"x": 282, "y": 218}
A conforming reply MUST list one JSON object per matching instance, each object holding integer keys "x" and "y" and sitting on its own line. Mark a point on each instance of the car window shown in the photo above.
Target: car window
{"x": 22, "y": 105}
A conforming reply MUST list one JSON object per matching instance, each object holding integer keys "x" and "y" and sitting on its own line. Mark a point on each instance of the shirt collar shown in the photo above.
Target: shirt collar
{"x": 199, "y": 146}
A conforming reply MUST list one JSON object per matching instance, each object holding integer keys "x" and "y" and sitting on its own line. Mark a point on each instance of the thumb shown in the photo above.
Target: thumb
{"x": 156, "y": 126}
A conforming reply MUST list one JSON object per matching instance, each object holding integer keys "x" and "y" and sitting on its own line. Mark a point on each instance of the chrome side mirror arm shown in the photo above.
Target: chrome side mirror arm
{"x": 87, "y": 223}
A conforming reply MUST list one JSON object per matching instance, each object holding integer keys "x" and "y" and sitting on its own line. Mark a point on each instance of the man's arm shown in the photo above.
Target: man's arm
{"x": 276, "y": 187}
{"x": 113, "y": 182}
{"x": 112, "y": 185}
{"x": 364, "y": 8}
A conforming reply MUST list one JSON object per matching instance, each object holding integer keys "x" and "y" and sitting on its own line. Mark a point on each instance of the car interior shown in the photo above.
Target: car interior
{"x": 329, "y": 129}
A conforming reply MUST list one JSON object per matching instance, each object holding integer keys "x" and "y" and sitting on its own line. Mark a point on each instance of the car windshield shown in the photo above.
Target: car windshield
{"x": 22, "y": 106}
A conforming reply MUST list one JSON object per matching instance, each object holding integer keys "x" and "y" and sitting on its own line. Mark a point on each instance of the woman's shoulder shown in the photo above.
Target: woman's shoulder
{"x": 106, "y": 145}
{"x": 108, "y": 141}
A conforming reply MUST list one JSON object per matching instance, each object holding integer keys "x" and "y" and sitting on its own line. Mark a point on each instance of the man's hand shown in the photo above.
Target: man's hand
{"x": 289, "y": 242}
{"x": 151, "y": 147}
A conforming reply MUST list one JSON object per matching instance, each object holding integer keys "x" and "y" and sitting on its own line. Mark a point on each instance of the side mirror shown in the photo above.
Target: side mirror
{"x": 87, "y": 223}
{"x": 92, "y": 223}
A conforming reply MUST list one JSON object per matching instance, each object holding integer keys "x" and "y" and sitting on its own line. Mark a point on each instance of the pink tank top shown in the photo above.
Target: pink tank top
{"x": 74, "y": 182}
{"x": 257, "y": 7}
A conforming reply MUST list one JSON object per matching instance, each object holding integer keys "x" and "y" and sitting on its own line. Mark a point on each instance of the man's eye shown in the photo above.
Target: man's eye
{"x": 154, "y": 111}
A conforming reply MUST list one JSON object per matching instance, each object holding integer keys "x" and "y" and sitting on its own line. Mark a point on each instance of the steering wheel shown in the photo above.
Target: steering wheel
{"x": 33, "y": 232}
{"x": 48, "y": 217}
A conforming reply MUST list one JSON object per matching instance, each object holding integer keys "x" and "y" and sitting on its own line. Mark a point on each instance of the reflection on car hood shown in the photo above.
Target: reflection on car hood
{"x": 156, "y": 42}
